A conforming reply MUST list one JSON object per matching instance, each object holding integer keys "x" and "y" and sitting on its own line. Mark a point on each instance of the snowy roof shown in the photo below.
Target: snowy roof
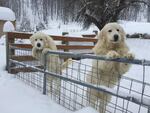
{"x": 8, "y": 27}
{"x": 7, "y": 14}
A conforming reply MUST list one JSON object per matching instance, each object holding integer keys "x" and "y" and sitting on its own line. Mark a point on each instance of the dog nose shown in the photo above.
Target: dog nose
{"x": 38, "y": 45}
{"x": 116, "y": 37}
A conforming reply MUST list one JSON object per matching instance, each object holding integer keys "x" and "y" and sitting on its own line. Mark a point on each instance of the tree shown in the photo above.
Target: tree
{"x": 148, "y": 11}
{"x": 100, "y": 12}
{"x": 2, "y": 2}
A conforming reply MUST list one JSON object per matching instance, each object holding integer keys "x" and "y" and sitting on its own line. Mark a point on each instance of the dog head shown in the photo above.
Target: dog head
{"x": 112, "y": 33}
{"x": 40, "y": 41}
{"x": 112, "y": 36}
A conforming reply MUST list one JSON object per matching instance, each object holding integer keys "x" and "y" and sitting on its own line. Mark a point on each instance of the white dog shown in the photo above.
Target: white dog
{"x": 111, "y": 43}
{"x": 42, "y": 43}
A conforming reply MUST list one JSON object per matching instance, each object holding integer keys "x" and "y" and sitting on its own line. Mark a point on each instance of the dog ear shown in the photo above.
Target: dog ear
{"x": 50, "y": 43}
{"x": 100, "y": 42}
{"x": 32, "y": 40}
{"x": 100, "y": 34}
{"x": 99, "y": 37}
{"x": 97, "y": 46}
{"x": 123, "y": 34}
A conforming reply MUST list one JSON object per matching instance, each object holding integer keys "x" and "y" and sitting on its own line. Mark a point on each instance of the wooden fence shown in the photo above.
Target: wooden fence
{"x": 12, "y": 36}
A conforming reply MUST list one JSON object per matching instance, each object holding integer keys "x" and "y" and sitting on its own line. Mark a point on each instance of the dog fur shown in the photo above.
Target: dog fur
{"x": 52, "y": 61}
{"x": 111, "y": 43}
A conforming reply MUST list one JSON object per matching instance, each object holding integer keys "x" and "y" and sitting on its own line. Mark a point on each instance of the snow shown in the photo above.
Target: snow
{"x": 8, "y": 27}
{"x": 128, "y": 96}
{"x": 2, "y": 40}
{"x": 7, "y": 14}
{"x": 87, "y": 110}
{"x": 73, "y": 29}
{"x": 21, "y": 98}
{"x": 135, "y": 27}
{"x": 17, "y": 97}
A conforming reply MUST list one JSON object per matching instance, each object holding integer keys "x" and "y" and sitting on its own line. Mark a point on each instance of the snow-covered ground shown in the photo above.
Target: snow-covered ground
{"x": 74, "y": 29}
{"x": 16, "y": 97}
{"x": 135, "y": 27}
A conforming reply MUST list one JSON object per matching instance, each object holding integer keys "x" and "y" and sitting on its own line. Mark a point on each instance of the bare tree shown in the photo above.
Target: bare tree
{"x": 2, "y": 2}
{"x": 148, "y": 11}
{"x": 100, "y": 12}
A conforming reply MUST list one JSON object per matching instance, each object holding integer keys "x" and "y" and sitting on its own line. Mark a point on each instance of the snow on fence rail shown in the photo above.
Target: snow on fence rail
{"x": 128, "y": 96}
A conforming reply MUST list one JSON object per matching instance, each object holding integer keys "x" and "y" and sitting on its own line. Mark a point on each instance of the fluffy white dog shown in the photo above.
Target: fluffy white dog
{"x": 42, "y": 43}
{"x": 111, "y": 43}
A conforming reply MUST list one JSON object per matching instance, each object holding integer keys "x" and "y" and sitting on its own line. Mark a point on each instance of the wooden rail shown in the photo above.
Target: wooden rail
{"x": 23, "y": 69}
{"x": 19, "y": 35}
{"x": 89, "y": 36}
{"x": 12, "y": 36}
{"x": 61, "y": 47}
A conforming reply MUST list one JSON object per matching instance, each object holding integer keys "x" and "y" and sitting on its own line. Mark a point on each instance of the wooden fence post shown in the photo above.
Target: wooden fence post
{"x": 65, "y": 42}
{"x": 95, "y": 31}
{"x": 9, "y": 51}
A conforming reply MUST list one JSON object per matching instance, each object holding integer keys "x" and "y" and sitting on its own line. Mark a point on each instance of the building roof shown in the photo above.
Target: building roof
{"x": 7, "y": 14}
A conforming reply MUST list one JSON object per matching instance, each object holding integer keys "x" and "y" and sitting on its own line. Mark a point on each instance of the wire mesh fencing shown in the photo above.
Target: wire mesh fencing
{"x": 69, "y": 85}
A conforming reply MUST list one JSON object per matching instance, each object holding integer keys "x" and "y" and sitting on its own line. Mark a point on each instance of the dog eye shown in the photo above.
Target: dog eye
{"x": 110, "y": 31}
{"x": 41, "y": 39}
{"x": 35, "y": 39}
{"x": 117, "y": 29}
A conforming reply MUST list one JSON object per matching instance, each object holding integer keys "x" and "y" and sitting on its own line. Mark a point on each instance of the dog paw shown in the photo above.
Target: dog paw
{"x": 129, "y": 56}
{"x": 34, "y": 55}
{"x": 113, "y": 54}
{"x": 45, "y": 51}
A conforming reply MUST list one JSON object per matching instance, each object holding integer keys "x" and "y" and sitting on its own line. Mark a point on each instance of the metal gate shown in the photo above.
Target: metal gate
{"x": 70, "y": 87}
